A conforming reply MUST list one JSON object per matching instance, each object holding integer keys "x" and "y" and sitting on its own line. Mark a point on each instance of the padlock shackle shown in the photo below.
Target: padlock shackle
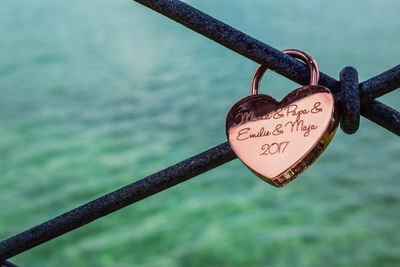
{"x": 297, "y": 53}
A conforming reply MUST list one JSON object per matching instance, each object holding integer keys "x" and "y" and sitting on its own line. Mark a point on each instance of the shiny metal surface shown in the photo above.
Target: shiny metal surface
{"x": 296, "y": 53}
{"x": 278, "y": 140}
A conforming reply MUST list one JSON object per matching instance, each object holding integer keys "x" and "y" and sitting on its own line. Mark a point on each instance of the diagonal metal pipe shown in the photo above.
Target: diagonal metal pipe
{"x": 262, "y": 53}
{"x": 116, "y": 200}
{"x": 189, "y": 168}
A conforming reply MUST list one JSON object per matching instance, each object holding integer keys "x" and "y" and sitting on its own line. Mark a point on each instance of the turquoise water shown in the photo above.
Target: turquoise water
{"x": 98, "y": 94}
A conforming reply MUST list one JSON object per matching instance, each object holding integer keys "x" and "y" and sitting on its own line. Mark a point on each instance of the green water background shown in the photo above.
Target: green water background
{"x": 97, "y": 94}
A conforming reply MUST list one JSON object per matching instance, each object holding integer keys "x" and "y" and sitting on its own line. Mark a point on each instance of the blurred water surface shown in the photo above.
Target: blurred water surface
{"x": 97, "y": 94}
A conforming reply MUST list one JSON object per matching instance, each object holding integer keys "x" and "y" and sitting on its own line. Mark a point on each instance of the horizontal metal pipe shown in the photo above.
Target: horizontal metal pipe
{"x": 380, "y": 84}
{"x": 383, "y": 115}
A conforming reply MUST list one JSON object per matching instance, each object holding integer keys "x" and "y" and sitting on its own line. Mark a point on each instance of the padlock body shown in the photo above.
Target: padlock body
{"x": 278, "y": 140}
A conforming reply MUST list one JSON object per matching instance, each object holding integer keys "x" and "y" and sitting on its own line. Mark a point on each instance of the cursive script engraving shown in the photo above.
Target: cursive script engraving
{"x": 316, "y": 108}
{"x": 244, "y": 132}
{"x": 246, "y": 116}
{"x": 298, "y": 125}
{"x": 290, "y": 111}
{"x": 290, "y": 119}
{"x": 278, "y": 130}
{"x": 274, "y": 148}
{"x": 279, "y": 139}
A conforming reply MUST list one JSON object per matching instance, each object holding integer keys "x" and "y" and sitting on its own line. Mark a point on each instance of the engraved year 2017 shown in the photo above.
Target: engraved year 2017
{"x": 274, "y": 148}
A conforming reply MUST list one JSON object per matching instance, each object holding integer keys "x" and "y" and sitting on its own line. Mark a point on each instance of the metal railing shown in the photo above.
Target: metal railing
{"x": 359, "y": 98}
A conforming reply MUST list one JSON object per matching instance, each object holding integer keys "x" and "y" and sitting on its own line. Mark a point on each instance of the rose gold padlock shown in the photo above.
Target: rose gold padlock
{"x": 278, "y": 140}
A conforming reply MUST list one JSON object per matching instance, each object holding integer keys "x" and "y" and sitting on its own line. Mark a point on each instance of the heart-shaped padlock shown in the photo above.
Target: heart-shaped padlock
{"x": 278, "y": 140}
